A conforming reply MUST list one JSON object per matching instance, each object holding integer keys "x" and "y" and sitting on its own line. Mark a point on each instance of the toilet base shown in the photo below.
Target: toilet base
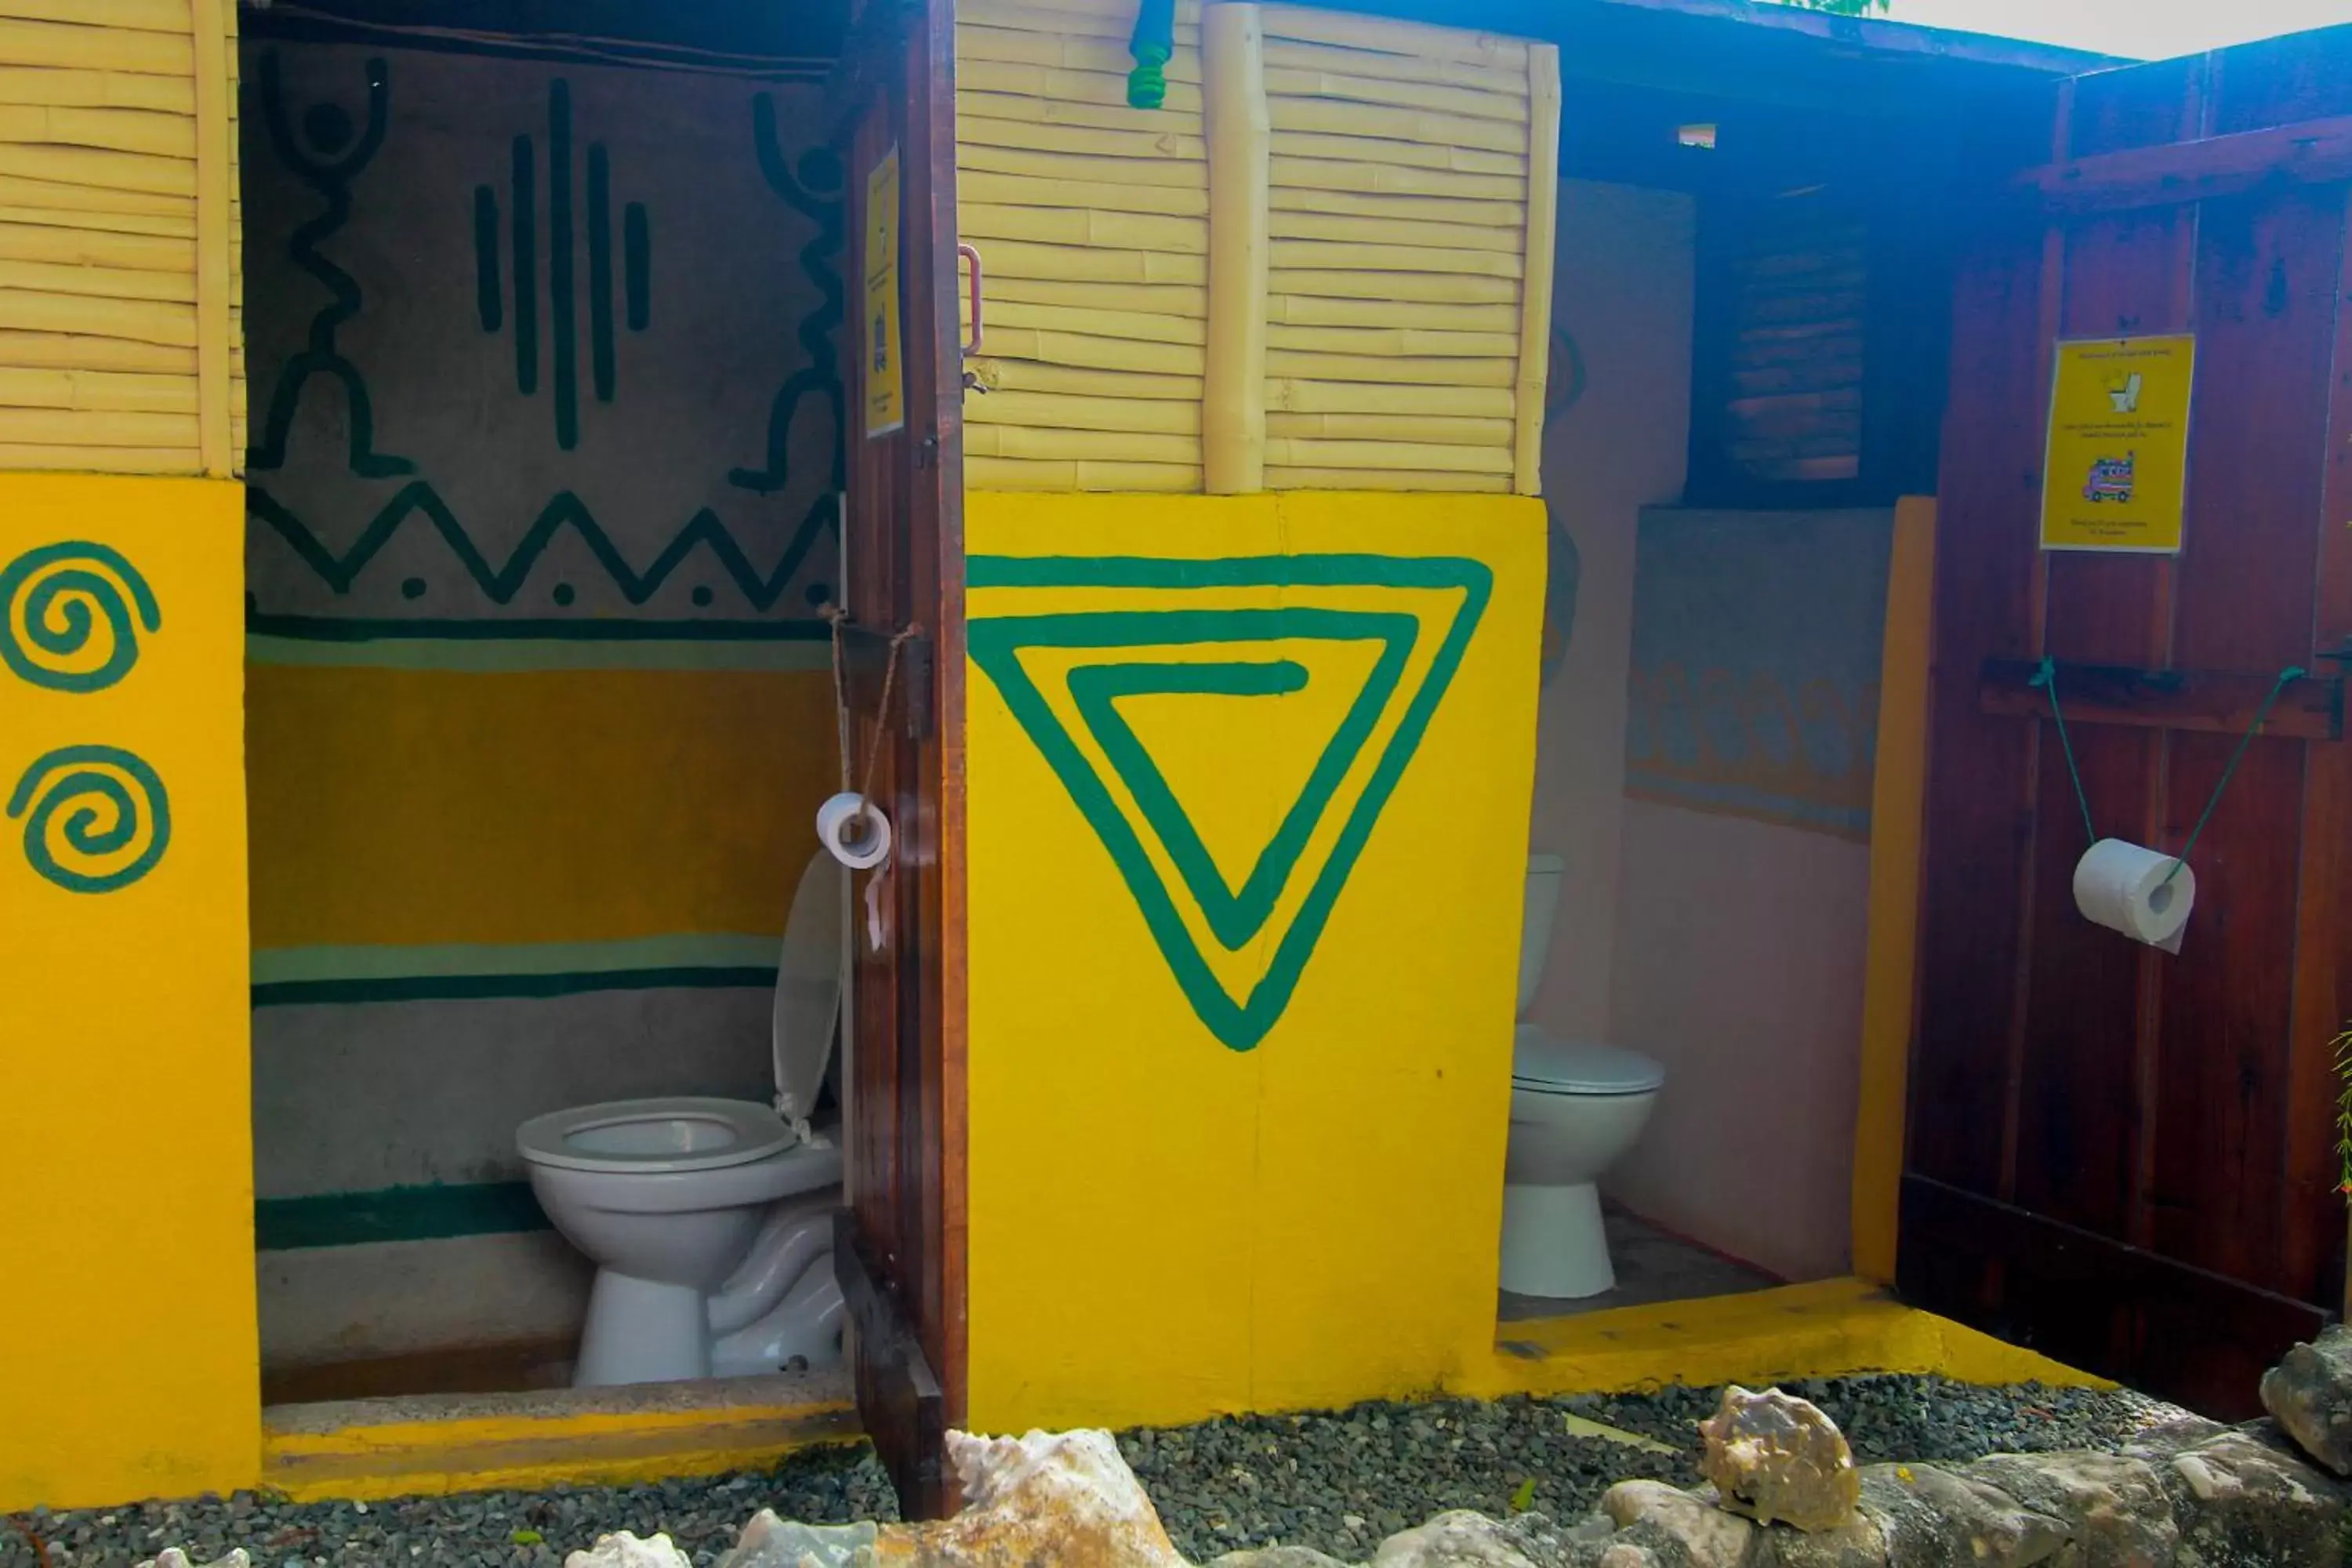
{"x": 640, "y": 1330}
{"x": 1553, "y": 1243}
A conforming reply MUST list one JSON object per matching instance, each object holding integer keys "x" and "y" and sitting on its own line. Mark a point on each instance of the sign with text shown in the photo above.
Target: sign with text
{"x": 2116, "y": 474}
{"x": 885, "y": 380}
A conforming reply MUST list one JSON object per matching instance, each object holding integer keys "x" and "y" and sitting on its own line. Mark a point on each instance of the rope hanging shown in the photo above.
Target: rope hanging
{"x": 839, "y": 619}
{"x": 2046, "y": 679}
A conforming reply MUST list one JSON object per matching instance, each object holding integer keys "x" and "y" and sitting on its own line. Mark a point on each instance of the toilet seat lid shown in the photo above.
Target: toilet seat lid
{"x": 1546, "y": 1065}
{"x": 682, "y": 1132}
{"x": 808, "y": 988}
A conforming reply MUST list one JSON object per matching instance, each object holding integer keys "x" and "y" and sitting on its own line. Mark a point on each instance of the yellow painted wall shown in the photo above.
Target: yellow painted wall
{"x": 418, "y": 807}
{"x": 1176, "y": 1210}
{"x": 130, "y": 1364}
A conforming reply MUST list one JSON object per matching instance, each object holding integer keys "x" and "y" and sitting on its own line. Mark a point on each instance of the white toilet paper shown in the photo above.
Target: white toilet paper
{"x": 2124, "y": 887}
{"x": 854, "y": 832}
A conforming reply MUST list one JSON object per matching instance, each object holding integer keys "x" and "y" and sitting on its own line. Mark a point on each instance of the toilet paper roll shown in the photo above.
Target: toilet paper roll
{"x": 853, "y": 831}
{"x": 2125, "y": 887}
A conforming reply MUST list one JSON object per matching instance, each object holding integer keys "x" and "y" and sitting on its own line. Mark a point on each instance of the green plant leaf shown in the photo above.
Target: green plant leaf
{"x": 1523, "y": 1495}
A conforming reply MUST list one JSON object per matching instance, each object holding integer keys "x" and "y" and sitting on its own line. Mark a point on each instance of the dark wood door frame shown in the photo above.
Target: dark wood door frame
{"x": 901, "y": 1254}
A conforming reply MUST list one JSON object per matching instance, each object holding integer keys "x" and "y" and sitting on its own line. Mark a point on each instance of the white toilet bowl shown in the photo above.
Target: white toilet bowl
{"x": 1575, "y": 1108}
{"x": 710, "y": 1221}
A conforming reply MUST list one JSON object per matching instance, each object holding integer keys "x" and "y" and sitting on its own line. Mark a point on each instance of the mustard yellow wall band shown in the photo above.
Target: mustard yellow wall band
{"x": 95, "y": 391}
{"x": 1089, "y": 23}
{"x": 138, "y": 171}
{"x": 131, "y": 15}
{"x": 51, "y": 458}
{"x": 1141, "y": 326}
{"x": 1294, "y": 172}
{"x": 73, "y": 244}
{"x": 109, "y": 129}
{"x": 142, "y": 320}
{"x": 100, "y": 282}
{"x": 1897, "y": 813}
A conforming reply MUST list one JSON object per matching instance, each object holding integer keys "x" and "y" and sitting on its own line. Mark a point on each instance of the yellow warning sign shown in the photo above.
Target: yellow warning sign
{"x": 885, "y": 380}
{"x": 2117, "y": 471}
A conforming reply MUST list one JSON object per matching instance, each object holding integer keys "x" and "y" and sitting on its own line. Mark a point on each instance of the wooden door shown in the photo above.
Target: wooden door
{"x": 901, "y": 1256}
{"x": 2120, "y": 1157}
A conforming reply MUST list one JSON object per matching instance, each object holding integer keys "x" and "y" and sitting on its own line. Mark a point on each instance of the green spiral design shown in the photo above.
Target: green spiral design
{"x": 52, "y": 599}
{"x": 103, "y": 816}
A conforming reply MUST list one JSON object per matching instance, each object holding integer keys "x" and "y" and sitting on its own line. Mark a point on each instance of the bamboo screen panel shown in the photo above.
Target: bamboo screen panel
{"x": 121, "y": 328}
{"x": 1399, "y": 221}
{"x": 1092, "y": 219}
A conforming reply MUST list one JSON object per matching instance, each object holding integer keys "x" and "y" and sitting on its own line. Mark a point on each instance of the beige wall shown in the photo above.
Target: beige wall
{"x": 1623, "y": 296}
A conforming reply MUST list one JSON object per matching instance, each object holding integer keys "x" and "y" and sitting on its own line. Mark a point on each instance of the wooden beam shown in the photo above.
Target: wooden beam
{"x": 2314, "y": 151}
{"x": 2208, "y": 701}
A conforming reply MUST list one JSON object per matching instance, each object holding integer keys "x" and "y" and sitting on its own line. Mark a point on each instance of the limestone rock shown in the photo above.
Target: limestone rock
{"x": 2241, "y": 1502}
{"x": 2115, "y": 1508}
{"x": 1933, "y": 1517}
{"x": 1465, "y": 1540}
{"x": 1060, "y": 1497}
{"x": 1278, "y": 1557}
{"x": 2310, "y": 1394}
{"x": 625, "y": 1551}
{"x": 173, "y": 1557}
{"x": 1777, "y": 1457}
{"x": 1859, "y": 1543}
{"x": 1708, "y": 1537}
{"x": 771, "y": 1542}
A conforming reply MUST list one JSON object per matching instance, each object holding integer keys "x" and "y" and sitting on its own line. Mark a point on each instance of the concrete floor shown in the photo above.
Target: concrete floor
{"x": 1653, "y": 1265}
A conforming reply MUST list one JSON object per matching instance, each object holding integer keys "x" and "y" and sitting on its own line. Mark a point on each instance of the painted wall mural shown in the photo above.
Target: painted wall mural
{"x": 542, "y": 499}
{"x": 478, "y": 246}
{"x": 1754, "y": 689}
{"x": 1248, "y": 784}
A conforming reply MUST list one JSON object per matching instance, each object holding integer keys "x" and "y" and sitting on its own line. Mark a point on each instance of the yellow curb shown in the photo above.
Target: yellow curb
{"x": 1831, "y": 1329}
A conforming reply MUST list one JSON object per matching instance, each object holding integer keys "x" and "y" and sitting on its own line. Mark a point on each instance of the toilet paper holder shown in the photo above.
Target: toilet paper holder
{"x": 2210, "y": 701}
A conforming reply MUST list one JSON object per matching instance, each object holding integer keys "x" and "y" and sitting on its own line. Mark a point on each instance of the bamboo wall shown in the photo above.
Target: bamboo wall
{"x": 120, "y": 330}
{"x": 1324, "y": 264}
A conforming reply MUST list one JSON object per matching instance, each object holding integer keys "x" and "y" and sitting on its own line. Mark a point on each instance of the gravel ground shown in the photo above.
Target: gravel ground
{"x": 1339, "y": 1482}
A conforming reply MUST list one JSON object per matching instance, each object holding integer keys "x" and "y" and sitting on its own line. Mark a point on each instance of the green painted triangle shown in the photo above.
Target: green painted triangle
{"x": 1234, "y": 915}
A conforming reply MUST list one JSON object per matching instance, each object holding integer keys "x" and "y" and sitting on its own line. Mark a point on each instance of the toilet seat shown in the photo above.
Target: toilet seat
{"x": 647, "y": 1137}
{"x": 1542, "y": 1065}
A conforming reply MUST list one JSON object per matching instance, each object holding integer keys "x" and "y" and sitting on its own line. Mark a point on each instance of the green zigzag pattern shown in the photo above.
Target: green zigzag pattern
{"x": 419, "y": 499}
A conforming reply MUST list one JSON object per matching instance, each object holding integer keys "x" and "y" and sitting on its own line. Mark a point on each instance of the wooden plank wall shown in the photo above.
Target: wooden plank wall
{"x": 1407, "y": 189}
{"x": 121, "y": 342}
{"x": 2121, "y": 1157}
{"x": 1093, "y": 222}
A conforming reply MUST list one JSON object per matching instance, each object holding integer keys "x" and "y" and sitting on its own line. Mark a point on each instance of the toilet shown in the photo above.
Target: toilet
{"x": 1575, "y": 1108}
{"x": 710, "y": 1221}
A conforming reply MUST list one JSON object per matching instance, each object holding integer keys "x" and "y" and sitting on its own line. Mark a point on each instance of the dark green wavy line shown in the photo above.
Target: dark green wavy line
{"x": 501, "y": 583}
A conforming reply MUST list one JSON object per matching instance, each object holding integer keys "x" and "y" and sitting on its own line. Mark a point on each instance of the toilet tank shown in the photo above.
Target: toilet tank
{"x": 1544, "y": 872}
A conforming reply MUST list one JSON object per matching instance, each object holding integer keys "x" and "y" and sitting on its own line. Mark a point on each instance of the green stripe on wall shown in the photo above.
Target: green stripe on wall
{"x": 396, "y": 1214}
{"x": 484, "y": 987}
